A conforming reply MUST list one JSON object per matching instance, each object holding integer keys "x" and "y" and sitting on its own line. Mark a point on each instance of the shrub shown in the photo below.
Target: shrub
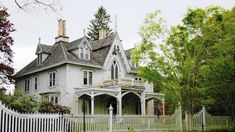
{"x": 50, "y": 107}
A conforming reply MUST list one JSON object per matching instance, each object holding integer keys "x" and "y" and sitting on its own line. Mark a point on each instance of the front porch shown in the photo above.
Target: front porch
{"x": 125, "y": 96}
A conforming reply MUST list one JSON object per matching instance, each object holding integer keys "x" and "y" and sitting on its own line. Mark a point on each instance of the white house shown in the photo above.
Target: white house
{"x": 101, "y": 71}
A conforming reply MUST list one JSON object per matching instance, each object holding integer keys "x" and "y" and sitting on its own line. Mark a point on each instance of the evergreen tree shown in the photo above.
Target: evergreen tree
{"x": 102, "y": 19}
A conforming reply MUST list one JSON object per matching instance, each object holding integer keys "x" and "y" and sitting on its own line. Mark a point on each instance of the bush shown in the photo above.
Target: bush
{"x": 27, "y": 104}
{"x": 19, "y": 102}
{"x": 50, "y": 107}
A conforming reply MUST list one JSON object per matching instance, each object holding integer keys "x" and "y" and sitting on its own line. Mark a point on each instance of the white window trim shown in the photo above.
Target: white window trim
{"x": 84, "y": 50}
{"x": 88, "y": 80}
{"x": 115, "y": 71}
{"x": 53, "y": 84}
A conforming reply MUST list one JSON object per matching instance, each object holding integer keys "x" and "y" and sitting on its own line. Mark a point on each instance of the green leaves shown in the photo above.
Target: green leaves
{"x": 195, "y": 62}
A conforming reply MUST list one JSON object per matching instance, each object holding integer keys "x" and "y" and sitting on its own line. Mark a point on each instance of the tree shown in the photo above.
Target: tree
{"x": 101, "y": 20}
{"x": 219, "y": 69}
{"x": 52, "y": 5}
{"x": 6, "y": 41}
{"x": 183, "y": 61}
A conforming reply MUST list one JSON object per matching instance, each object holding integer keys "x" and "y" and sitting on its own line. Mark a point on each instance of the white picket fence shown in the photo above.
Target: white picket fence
{"x": 11, "y": 121}
{"x": 204, "y": 121}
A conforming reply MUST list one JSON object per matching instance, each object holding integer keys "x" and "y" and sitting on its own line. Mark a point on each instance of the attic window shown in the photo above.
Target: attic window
{"x": 39, "y": 60}
{"x": 84, "y": 53}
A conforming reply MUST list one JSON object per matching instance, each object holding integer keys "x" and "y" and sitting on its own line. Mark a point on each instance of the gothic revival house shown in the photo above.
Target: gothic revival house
{"x": 101, "y": 71}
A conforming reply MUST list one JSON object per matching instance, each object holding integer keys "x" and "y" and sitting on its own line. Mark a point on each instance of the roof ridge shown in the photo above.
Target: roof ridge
{"x": 66, "y": 58}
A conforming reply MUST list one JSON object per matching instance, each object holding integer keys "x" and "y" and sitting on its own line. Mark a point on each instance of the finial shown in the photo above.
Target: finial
{"x": 39, "y": 40}
{"x": 115, "y": 23}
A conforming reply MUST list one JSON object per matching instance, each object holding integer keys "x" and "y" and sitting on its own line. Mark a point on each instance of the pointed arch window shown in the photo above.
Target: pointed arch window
{"x": 114, "y": 70}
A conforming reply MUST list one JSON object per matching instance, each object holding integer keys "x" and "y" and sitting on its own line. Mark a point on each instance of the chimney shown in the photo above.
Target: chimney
{"x": 61, "y": 32}
{"x": 102, "y": 33}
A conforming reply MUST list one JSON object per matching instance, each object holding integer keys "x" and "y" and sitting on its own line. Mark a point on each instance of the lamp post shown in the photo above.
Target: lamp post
{"x": 84, "y": 112}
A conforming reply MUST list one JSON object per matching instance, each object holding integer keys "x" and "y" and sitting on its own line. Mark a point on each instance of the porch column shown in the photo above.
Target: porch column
{"x": 120, "y": 106}
{"x": 163, "y": 107}
{"x": 120, "y": 102}
{"x": 92, "y": 105}
{"x": 143, "y": 103}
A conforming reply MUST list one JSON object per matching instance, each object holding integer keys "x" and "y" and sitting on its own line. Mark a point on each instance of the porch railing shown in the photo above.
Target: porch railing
{"x": 123, "y": 82}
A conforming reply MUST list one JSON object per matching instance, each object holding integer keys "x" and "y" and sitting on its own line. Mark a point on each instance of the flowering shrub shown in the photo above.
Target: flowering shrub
{"x": 50, "y": 107}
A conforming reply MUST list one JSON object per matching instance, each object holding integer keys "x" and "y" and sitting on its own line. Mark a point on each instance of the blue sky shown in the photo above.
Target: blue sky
{"x": 32, "y": 24}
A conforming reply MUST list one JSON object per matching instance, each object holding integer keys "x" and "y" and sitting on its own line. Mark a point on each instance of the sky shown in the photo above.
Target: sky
{"x": 34, "y": 23}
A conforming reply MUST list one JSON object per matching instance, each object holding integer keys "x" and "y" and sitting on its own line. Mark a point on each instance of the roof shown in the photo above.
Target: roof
{"x": 44, "y": 48}
{"x": 60, "y": 53}
{"x": 128, "y": 53}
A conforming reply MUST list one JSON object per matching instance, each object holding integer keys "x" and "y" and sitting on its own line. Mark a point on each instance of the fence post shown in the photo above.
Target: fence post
{"x": 110, "y": 118}
{"x": 186, "y": 121}
{"x": 180, "y": 117}
{"x": 203, "y": 118}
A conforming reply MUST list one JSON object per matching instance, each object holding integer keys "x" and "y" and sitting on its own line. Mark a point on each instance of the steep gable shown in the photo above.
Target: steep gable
{"x": 117, "y": 45}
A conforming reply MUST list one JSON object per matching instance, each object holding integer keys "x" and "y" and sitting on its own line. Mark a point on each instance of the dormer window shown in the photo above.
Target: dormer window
{"x": 39, "y": 60}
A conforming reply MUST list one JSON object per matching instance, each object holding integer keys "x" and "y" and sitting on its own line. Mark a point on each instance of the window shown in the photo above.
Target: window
{"x": 138, "y": 79}
{"x": 52, "y": 79}
{"x": 86, "y": 54}
{"x": 26, "y": 85}
{"x": 87, "y": 78}
{"x": 90, "y": 78}
{"x": 114, "y": 70}
{"x": 56, "y": 100}
{"x": 35, "y": 83}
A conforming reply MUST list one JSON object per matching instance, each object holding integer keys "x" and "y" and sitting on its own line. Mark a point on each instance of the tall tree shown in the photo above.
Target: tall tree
{"x": 219, "y": 69}
{"x": 196, "y": 58}
{"x": 101, "y": 20}
{"x": 6, "y": 41}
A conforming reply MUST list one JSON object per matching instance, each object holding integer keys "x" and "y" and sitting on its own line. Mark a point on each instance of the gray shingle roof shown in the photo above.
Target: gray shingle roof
{"x": 128, "y": 53}
{"x": 44, "y": 48}
{"x": 74, "y": 44}
{"x": 60, "y": 53}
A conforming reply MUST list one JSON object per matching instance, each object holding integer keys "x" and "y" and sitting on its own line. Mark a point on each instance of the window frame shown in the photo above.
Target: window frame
{"x": 114, "y": 70}
{"x": 52, "y": 79}
{"x": 26, "y": 85}
{"x": 89, "y": 79}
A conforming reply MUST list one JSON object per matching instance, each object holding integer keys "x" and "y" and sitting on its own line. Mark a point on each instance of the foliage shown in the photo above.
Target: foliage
{"x": 219, "y": 69}
{"x": 50, "y": 107}
{"x": 28, "y": 104}
{"x": 130, "y": 129}
{"x": 101, "y": 20}
{"x": 19, "y": 102}
{"x": 194, "y": 63}
{"x": 6, "y": 41}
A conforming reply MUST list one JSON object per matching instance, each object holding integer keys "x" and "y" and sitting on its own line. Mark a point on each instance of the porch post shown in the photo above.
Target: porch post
{"x": 92, "y": 105}
{"x": 120, "y": 106}
{"x": 143, "y": 105}
{"x": 163, "y": 107}
{"x": 120, "y": 103}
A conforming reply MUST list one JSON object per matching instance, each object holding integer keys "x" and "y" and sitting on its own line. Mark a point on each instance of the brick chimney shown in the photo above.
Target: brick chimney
{"x": 61, "y": 32}
{"x": 102, "y": 33}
